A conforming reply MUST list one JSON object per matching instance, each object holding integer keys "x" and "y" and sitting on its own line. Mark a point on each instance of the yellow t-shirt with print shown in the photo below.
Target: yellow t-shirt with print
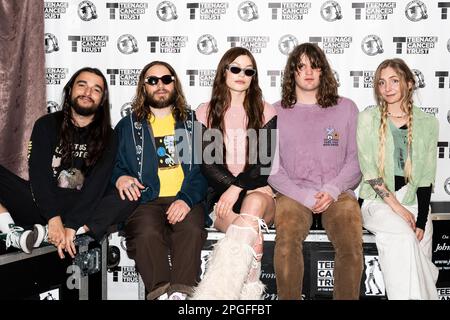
{"x": 170, "y": 172}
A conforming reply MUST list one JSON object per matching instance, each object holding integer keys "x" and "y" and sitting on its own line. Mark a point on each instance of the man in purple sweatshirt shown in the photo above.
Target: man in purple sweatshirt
{"x": 317, "y": 172}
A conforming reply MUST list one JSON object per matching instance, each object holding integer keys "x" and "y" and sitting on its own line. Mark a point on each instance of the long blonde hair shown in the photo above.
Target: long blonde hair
{"x": 407, "y": 87}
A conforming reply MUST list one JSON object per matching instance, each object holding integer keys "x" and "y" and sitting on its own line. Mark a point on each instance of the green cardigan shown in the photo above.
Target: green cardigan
{"x": 423, "y": 156}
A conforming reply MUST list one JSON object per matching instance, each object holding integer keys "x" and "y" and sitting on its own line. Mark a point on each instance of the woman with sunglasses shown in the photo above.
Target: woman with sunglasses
{"x": 242, "y": 126}
{"x": 397, "y": 154}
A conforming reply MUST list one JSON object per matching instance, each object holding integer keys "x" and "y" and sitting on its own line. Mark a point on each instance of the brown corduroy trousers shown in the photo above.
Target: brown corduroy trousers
{"x": 343, "y": 224}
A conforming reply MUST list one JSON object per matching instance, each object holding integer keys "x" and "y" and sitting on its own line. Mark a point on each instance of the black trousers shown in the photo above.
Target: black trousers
{"x": 16, "y": 197}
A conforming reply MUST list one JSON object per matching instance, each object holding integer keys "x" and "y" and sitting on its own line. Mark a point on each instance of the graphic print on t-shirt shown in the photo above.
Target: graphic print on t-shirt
{"x": 70, "y": 178}
{"x": 170, "y": 172}
{"x": 165, "y": 150}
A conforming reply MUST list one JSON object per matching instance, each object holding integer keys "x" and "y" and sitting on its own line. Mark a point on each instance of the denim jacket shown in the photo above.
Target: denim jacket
{"x": 137, "y": 157}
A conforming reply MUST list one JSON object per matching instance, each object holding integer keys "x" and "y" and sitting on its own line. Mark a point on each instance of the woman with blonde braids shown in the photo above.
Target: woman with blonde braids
{"x": 399, "y": 167}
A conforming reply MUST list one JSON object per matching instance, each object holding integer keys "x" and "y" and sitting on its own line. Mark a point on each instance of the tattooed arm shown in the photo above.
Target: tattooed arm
{"x": 379, "y": 187}
{"x": 382, "y": 191}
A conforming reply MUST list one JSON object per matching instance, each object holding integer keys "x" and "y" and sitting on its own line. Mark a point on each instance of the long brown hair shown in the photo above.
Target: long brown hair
{"x": 221, "y": 97}
{"x": 327, "y": 95}
{"x": 99, "y": 130}
{"x": 179, "y": 110}
{"x": 407, "y": 87}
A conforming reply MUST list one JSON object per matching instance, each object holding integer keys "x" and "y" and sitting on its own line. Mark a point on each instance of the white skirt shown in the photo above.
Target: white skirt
{"x": 406, "y": 264}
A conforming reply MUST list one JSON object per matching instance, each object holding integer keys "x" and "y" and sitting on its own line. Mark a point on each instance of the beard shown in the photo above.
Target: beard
{"x": 83, "y": 111}
{"x": 162, "y": 102}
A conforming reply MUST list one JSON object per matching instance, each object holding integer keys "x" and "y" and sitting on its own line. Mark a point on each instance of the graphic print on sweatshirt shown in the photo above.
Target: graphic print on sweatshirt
{"x": 331, "y": 137}
{"x": 73, "y": 177}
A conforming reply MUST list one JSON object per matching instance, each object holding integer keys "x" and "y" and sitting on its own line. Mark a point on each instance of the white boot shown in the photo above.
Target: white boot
{"x": 228, "y": 266}
{"x": 253, "y": 288}
{"x": 253, "y": 291}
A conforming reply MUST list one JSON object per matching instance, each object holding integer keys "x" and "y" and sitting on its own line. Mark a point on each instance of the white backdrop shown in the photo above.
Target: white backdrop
{"x": 121, "y": 37}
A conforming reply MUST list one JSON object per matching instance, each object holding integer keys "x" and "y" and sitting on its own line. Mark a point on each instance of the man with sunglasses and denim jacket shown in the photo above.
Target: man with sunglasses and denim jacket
{"x": 155, "y": 167}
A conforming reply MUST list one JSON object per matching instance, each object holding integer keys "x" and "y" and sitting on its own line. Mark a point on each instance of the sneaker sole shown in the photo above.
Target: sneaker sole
{"x": 27, "y": 248}
{"x": 40, "y": 231}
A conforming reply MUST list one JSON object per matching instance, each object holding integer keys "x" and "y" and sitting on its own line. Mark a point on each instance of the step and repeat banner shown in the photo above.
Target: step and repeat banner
{"x": 120, "y": 37}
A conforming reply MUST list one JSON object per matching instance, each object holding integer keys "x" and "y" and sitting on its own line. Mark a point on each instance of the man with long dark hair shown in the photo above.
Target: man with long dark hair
{"x": 71, "y": 156}
{"x": 155, "y": 168}
{"x": 317, "y": 174}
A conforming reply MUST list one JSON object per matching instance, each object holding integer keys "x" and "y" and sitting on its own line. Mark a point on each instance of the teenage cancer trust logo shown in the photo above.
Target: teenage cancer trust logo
{"x": 207, "y": 10}
{"x": 55, "y": 10}
{"x": 373, "y": 10}
{"x": 415, "y": 44}
{"x": 55, "y": 75}
{"x": 201, "y": 78}
{"x": 126, "y": 10}
{"x": 333, "y": 44}
{"x": 254, "y": 44}
{"x": 289, "y": 10}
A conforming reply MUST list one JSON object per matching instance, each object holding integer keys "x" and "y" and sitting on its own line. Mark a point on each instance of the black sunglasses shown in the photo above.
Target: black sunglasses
{"x": 249, "y": 72}
{"x": 153, "y": 81}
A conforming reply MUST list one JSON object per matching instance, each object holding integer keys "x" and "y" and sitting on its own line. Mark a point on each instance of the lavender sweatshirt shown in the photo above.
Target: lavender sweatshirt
{"x": 317, "y": 151}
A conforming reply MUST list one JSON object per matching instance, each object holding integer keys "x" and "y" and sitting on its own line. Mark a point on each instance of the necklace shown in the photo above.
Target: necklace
{"x": 396, "y": 115}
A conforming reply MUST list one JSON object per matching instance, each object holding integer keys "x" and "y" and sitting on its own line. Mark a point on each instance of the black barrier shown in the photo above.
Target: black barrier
{"x": 319, "y": 262}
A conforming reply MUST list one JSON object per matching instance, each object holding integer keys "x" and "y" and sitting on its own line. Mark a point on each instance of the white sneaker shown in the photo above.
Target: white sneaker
{"x": 164, "y": 296}
{"x": 41, "y": 234}
{"x": 19, "y": 238}
{"x": 178, "y": 296}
